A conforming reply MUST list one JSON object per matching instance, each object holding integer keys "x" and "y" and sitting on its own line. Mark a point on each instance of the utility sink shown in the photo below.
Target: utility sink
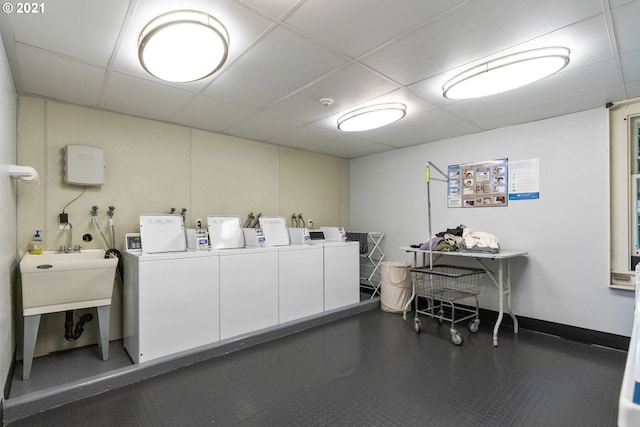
{"x": 54, "y": 281}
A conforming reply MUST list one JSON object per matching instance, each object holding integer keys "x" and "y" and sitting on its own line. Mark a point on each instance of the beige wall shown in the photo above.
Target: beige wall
{"x": 8, "y": 186}
{"x": 153, "y": 166}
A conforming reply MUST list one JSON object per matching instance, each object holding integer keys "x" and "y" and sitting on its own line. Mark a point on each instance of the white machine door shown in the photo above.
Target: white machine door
{"x": 179, "y": 300}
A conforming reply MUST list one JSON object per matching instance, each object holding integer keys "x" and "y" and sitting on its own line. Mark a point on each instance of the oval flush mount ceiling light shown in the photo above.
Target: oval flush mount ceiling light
{"x": 506, "y": 73}
{"x": 371, "y": 117}
{"x": 183, "y": 46}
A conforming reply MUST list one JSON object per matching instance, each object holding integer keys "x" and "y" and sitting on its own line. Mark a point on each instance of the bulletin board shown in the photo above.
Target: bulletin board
{"x": 477, "y": 185}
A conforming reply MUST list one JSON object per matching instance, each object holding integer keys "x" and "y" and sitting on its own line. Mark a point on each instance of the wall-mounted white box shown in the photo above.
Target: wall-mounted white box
{"x": 84, "y": 165}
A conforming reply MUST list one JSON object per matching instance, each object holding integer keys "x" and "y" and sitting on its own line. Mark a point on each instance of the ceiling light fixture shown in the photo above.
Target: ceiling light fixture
{"x": 506, "y": 73}
{"x": 183, "y": 46}
{"x": 371, "y": 117}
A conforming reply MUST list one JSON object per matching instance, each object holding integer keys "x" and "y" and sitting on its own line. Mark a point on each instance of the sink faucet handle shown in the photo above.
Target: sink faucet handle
{"x": 94, "y": 213}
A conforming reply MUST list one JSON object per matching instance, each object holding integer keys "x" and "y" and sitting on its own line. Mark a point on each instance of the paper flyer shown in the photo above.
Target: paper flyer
{"x": 482, "y": 184}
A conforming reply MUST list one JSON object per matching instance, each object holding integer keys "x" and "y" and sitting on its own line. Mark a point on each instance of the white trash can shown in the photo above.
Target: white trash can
{"x": 395, "y": 286}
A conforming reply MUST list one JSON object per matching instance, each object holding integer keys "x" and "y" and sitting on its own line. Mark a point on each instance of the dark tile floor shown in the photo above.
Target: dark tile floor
{"x": 372, "y": 369}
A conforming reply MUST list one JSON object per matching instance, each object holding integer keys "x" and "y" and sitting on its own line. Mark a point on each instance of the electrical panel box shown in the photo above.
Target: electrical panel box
{"x": 84, "y": 165}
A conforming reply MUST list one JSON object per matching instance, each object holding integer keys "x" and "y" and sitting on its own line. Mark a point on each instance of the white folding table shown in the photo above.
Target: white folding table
{"x": 501, "y": 278}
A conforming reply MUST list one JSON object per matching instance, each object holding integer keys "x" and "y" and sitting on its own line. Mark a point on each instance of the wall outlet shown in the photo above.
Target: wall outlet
{"x": 63, "y": 221}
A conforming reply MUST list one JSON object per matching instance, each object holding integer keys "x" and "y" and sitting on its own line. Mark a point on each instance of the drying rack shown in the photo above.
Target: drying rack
{"x": 371, "y": 257}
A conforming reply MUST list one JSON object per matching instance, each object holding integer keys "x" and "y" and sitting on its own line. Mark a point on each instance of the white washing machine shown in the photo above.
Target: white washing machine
{"x": 301, "y": 273}
{"x": 248, "y": 290}
{"x": 171, "y": 302}
{"x": 341, "y": 274}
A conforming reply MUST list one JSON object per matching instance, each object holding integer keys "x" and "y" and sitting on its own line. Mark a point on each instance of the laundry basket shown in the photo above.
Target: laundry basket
{"x": 395, "y": 286}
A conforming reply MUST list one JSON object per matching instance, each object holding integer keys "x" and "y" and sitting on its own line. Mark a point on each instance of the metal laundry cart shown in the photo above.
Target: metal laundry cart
{"x": 441, "y": 286}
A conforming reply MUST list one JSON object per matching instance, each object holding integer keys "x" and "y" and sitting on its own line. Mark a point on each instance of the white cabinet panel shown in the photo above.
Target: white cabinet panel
{"x": 341, "y": 274}
{"x": 172, "y": 305}
{"x": 301, "y": 282}
{"x": 248, "y": 290}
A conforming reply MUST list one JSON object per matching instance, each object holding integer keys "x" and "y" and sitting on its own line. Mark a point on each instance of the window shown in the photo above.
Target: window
{"x": 635, "y": 188}
{"x": 625, "y": 192}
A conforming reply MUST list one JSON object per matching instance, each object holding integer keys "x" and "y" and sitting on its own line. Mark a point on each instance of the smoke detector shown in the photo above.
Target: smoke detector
{"x": 326, "y": 102}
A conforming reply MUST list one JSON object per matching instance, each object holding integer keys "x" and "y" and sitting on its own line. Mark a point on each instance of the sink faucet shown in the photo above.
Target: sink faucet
{"x": 69, "y": 248}
{"x": 69, "y": 237}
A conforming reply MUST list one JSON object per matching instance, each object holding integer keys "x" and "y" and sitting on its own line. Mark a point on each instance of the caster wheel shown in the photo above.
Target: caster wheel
{"x": 474, "y": 326}
{"x": 456, "y": 338}
{"x": 417, "y": 326}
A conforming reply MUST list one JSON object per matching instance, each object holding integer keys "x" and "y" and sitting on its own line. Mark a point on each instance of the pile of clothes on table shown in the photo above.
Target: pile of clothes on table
{"x": 462, "y": 239}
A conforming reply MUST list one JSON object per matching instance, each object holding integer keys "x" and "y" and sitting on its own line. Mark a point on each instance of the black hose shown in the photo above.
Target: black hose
{"x": 119, "y": 256}
{"x": 69, "y": 333}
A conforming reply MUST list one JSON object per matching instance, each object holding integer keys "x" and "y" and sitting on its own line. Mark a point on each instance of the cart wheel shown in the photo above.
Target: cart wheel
{"x": 440, "y": 316}
{"x": 417, "y": 326}
{"x": 456, "y": 338}
{"x": 474, "y": 325}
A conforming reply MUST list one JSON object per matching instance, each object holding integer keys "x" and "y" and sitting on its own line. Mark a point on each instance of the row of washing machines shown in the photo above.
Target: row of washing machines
{"x": 177, "y": 300}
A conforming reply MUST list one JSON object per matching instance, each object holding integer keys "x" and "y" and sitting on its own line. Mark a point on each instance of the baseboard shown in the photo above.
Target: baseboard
{"x": 7, "y": 380}
{"x": 7, "y": 385}
{"x": 573, "y": 333}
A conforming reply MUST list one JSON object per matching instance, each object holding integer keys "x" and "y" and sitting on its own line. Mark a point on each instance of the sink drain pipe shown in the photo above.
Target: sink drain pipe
{"x": 69, "y": 333}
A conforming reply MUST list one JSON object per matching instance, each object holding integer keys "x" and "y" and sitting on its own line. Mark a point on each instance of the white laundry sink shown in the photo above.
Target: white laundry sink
{"x": 54, "y": 281}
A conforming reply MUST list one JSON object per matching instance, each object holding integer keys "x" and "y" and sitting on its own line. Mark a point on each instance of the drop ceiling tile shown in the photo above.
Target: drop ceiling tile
{"x": 632, "y": 89}
{"x": 211, "y": 114}
{"x": 85, "y": 30}
{"x": 320, "y": 140}
{"x": 303, "y": 137}
{"x": 53, "y": 76}
{"x": 143, "y": 98}
{"x": 630, "y": 63}
{"x": 349, "y": 147}
{"x": 357, "y": 26}
{"x": 275, "y": 8}
{"x": 349, "y": 86}
{"x": 435, "y": 48}
{"x": 625, "y": 20}
{"x": 453, "y": 131}
{"x": 617, "y": 3}
{"x": 262, "y": 126}
{"x": 588, "y": 41}
{"x": 243, "y": 25}
{"x": 585, "y": 101}
{"x": 285, "y": 62}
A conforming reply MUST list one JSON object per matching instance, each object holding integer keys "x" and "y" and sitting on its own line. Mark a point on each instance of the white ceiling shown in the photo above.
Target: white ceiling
{"x": 287, "y": 54}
